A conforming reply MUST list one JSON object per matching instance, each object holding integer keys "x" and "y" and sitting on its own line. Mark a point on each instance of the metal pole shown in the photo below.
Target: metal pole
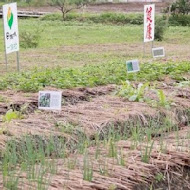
{"x": 6, "y": 61}
{"x": 18, "y": 63}
{"x": 152, "y": 46}
{"x": 143, "y": 49}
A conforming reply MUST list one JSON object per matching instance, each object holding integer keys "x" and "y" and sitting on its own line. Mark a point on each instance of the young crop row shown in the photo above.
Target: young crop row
{"x": 91, "y": 75}
{"x": 30, "y": 154}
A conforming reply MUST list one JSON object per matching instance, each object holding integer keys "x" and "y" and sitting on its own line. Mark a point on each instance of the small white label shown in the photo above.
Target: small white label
{"x": 132, "y": 66}
{"x": 158, "y": 52}
{"x": 49, "y": 100}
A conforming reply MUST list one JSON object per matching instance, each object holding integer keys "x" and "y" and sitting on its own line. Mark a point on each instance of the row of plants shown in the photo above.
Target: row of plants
{"x": 91, "y": 75}
{"x": 117, "y": 18}
{"x": 35, "y": 156}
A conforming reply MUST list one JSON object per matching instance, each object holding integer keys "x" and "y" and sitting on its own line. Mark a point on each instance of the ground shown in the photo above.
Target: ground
{"x": 107, "y": 7}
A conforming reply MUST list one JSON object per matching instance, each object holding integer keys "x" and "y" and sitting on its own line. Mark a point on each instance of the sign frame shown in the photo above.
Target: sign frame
{"x": 149, "y": 22}
{"x": 132, "y": 62}
{"x": 158, "y": 48}
{"x": 11, "y": 31}
{"x": 50, "y": 100}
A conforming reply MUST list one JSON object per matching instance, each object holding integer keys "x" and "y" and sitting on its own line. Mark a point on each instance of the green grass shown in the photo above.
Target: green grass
{"x": 75, "y": 44}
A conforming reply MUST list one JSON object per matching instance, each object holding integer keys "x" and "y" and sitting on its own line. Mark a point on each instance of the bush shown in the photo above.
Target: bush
{"x": 160, "y": 28}
{"x": 52, "y": 17}
{"x": 179, "y": 20}
{"x": 30, "y": 39}
{"x": 180, "y": 7}
{"x": 110, "y": 18}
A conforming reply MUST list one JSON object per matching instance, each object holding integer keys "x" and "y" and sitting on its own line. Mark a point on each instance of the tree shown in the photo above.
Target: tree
{"x": 66, "y": 6}
{"x": 180, "y": 7}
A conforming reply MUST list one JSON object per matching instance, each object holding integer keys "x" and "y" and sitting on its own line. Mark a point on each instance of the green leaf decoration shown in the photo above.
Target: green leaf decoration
{"x": 10, "y": 21}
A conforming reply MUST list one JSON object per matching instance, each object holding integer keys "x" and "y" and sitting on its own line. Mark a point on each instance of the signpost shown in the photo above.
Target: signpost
{"x": 149, "y": 24}
{"x": 11, "y": 34}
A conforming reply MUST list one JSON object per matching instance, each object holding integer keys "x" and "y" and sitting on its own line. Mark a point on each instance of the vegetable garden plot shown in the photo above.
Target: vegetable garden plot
{"x": 122, "y": 166}
{"x": 88, "y": 113}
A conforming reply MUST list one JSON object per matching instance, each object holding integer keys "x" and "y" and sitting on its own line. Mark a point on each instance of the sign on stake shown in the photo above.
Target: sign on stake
{"x": 149, "y": 24}
{"x": 11, "y": 34}
{"x": 49, "y": 100}
{"x": 158, "y": 52}
{"x": 132, "y": 66}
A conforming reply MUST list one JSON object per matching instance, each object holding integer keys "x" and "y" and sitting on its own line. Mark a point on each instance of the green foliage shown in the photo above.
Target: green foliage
{"x": 91, "y": 75}
{"x": 30, "y": 39}
{"x": 10, "y": 115}
{"x": 131, "y": 93}
{"x": 162, "y": 99}
{"x": 66, "y": 6}
{"x": 160, "y": 28}
{"x": 179, "y": 20}
{"x": 87, "y": 168}
{"x": 108, "y": 18}
{"x": 180, "y": 7}
{"x": 145, "y": 155}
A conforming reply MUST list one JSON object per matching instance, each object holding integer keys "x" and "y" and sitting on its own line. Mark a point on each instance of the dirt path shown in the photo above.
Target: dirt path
{"x": 106, "y": 7}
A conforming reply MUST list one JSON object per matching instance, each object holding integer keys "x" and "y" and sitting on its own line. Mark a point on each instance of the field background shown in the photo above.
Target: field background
{"x": 115, "y": 130}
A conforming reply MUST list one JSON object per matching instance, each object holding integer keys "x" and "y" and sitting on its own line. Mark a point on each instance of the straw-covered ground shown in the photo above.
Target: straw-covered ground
{"x": 98, "y": 140}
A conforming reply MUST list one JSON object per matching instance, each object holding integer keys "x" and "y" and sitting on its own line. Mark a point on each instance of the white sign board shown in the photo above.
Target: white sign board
{"x": 132, "y": 66}
{"x": 49, "y": 100}
{"x": 10, "y": 22}
{"x": 158, "y": 52}
{"x": 149, "y": 22}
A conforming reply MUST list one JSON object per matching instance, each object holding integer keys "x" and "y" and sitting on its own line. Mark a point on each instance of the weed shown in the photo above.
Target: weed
{"x": 162, "y": 99}
{"x": 87, "y": 168}
{"x": 10, "y": 115}
{"x": 145, "y": 156}
{"x": 131, "y": 93}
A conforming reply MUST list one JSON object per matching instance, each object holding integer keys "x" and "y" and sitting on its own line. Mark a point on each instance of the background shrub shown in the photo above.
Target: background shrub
{"x": 160, "y": 28}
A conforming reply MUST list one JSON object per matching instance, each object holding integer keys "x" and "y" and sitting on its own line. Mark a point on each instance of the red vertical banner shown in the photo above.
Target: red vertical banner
{"x": 149, "y": 22}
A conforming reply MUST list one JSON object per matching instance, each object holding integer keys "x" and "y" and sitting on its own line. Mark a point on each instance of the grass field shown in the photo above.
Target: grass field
{"x": 76, "y": 44}
{"x": 115, "y": 130}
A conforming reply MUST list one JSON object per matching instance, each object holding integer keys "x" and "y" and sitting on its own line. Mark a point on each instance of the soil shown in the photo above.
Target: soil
{"x": 94, "y": 110}
{"x": 105, "y": 7}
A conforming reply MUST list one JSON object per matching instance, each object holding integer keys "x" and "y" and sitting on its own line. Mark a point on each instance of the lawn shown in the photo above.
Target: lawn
{"x": 76, "y": 44}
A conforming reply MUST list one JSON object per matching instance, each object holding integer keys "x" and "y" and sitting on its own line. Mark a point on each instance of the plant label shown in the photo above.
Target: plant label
{"x": 132, "y": 66}
{"x": 149, "y": 22}
{"x": 49, "y": 100}
{"x": 10, "y": 22}
{"x": 158, "y": 52}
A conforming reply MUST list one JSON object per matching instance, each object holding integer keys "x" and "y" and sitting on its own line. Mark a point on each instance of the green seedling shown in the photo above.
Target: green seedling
{"x": 10, "y": 115}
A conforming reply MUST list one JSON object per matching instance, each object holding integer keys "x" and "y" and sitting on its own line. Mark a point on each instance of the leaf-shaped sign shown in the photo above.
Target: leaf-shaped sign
{"x": 10, "y": 18}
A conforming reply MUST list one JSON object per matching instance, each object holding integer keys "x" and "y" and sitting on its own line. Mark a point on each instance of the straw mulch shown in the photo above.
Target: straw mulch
{"x": 172, "y": 163}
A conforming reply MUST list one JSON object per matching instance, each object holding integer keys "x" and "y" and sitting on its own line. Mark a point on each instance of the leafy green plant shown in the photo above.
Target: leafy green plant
{"x": 160, "y": 29}
{"x": 162, "y": 99}
{"x": 131, "y": 93}
{"x": 31, "y": 39}
{"x": 10, "y": 115}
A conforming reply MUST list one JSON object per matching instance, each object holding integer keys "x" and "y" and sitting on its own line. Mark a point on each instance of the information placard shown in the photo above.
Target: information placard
{"x": 132, "y": 66}
{"x": 149, "y": 22}
{"x": 49, "y": 100}
{"x": 158, "y": 52}
{"x": 10, "y": 22}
